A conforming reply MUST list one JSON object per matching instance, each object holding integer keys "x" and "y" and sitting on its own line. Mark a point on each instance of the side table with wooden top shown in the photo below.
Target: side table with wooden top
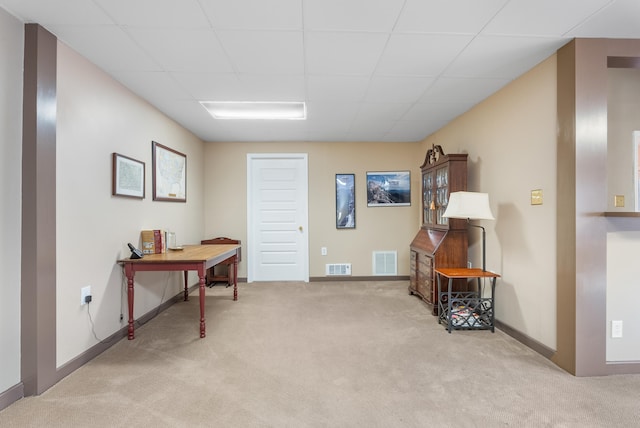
{"x": 466, "y": 310}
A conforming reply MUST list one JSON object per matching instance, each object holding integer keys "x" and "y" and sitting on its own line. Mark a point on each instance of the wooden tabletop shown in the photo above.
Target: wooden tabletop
{"x": 189, "y": 253}
{"x": 466, "y": 273}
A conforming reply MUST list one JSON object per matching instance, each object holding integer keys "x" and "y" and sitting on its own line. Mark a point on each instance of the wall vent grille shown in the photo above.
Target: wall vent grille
{"x": 385, "y": 263}
{"x": 338, "y": 269}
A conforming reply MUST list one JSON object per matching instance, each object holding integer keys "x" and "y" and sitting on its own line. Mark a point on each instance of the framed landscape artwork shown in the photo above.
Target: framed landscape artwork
{"x": 345, "y": 201}
{"x": 386, "y": 189}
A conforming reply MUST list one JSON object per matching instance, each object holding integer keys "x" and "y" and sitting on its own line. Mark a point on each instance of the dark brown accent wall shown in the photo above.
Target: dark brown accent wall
{"x": 566, "y": 231}
{"x": 38, "y": 308}
{"x": 582, "y": 201}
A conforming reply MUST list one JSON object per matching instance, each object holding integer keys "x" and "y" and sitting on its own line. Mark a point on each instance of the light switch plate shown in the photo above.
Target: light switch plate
{"x": 616, "y": 328}
{"x": 618, "y": 202}
{"x": 536, "y": 197}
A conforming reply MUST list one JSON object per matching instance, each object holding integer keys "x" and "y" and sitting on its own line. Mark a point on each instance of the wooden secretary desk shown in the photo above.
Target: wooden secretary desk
{"x": 440, "y": 242}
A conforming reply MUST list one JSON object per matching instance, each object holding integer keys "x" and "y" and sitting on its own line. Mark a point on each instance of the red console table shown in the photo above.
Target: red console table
{"x": 192, "y": 257}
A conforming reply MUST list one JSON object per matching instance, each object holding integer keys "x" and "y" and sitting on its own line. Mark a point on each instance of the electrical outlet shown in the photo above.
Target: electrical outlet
{"x": 616, "y": 328}
{"x": 323, "y": 251}
{"x": 84, "y": 292}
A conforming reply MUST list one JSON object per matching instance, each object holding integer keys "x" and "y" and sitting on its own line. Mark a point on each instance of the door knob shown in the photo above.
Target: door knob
{"x": 300, "y": 228}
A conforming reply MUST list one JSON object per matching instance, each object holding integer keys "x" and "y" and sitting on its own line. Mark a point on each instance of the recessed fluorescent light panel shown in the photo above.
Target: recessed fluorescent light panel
{"x": 252, "y": 110}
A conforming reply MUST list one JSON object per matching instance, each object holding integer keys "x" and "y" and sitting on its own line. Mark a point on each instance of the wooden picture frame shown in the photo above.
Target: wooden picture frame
{"x": 169, "y": 174}
{"x": 128, "y": 177}
{"x": 345, "y": 201}
{"x": 388, "y": 189}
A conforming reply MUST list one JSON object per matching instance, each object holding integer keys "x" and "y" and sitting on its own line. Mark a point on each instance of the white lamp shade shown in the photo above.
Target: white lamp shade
{"x": 469, "y": 205}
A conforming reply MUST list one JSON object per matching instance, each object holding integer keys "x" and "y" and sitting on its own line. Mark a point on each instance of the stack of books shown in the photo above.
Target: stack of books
{"x": 154, "y": 241}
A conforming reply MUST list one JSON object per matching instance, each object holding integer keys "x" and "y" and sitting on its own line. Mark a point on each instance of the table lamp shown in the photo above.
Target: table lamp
{"x": 471, "y": 206}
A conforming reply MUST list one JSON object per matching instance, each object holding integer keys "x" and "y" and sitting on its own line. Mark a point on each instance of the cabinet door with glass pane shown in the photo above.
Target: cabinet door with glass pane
{"x": 441, "y": 175}
{"x": 427, "y": 198}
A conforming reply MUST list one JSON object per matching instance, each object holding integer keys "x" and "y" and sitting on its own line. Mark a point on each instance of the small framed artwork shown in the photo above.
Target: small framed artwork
{"x": 169, "y": 174}
{"x": 345, "y": 201}
{"x": 386, "y": 189}
{"x": 127, "y": 177}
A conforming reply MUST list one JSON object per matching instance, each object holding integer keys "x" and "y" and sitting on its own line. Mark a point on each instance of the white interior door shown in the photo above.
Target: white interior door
{"x": 277, "y": 217}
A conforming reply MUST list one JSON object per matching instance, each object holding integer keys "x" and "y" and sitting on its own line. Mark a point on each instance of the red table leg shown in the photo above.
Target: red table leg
{"x": 235, "y": 278}
{"x": 186, "y": 286}
{"x": 128, "y": 269}
{"x": 201, "y": 274}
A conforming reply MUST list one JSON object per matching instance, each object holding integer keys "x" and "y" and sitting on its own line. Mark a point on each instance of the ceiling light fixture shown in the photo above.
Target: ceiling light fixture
{"x": 256, "y": 110}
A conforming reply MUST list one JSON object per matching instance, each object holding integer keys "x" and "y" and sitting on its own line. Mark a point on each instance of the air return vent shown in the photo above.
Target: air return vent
{"x": 338, "y": 269}
{"x": 385, "y": 262}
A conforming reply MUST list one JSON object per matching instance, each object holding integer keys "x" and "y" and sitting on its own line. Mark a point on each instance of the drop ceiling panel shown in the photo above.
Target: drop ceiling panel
{"x": 325, "y": 132}
{"x": 420, "y": 54}
{"x": 264, "y": 51}
{"x": 254, "y": 14}
{"x": 155, "y": 14}
{"x": 272, "y": 87}
{"x": 343, "y": 53}
{"x": 232, "y": 87}
{"x": 58, "y": 12}
{"x": 106, "y": 46}
{"x": 353, "y": 15}
{"x": 331, "y": 88}
{"x": 440, "y": 112}
{"x": 502, "y": 57}
{"x": 460, "y": 16}
{"x": 290, "y": 130}
{"x": 397, "y": 89}
{"x": 411, "y": 130}
{"x": 542, "y": 17}
{"x": 382, "y": 111}
{"x": 370, "y": 132}
{"x": 367, "y": 129}
{"x": 452, "y": 89}
{"x": 210, "y": 86}
{"x": 146, "y": 84}
{"x": 183, "y": 50}
{"x": 327, "y": 114}
{"x": 618, "y": 20}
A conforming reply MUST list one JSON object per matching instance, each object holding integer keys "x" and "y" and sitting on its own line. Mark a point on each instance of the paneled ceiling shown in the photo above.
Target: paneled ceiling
{"x": 369, "y": 70}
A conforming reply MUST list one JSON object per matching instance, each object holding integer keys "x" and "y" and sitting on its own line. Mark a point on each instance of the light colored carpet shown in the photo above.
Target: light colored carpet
{"x": 323, "y": 354}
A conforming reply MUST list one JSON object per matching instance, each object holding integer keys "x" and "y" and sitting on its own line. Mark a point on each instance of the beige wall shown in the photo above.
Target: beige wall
{"x": 11, "y": 62}
{"x": 96, "y": 117}
{"x": 377, "y": 229}
{"x": 511, "y": 141}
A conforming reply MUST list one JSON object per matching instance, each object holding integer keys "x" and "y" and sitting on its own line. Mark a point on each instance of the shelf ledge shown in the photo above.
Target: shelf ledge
{"x": 622, "y": 214}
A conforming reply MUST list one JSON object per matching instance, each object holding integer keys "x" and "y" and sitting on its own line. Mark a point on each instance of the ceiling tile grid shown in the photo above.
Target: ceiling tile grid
{"x": 369, "y": 70}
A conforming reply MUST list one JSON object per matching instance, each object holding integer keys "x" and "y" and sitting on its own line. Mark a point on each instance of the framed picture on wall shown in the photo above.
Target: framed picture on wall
{"x": 169, "y": 174}
{"x": 345, "y": 201}
{"x": 127, "y": 178}
{"x": 388, "y": 188}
